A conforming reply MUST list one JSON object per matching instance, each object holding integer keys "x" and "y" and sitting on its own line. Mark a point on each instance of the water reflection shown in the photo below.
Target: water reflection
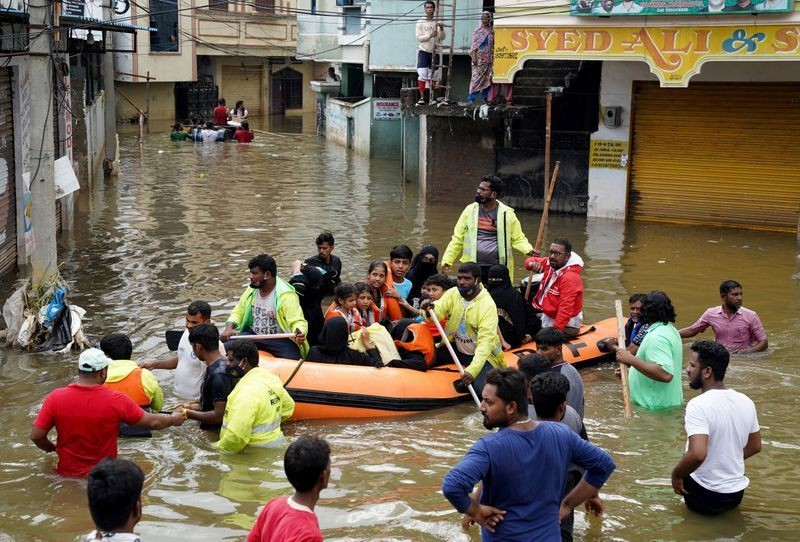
{"x": 183, "y": 220}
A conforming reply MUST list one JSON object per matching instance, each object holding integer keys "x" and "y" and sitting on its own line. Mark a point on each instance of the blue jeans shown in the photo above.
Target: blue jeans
{"x": 443, "y": 357}
{"x": 484, "y": 93}
{"x": 280, "y": 348}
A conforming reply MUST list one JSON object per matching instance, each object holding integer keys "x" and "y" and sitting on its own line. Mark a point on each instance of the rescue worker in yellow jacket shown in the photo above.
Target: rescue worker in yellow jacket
{"x": 256, "y": 406}
{"x": 125, "y": 376}
{"x": 471, "y": 327}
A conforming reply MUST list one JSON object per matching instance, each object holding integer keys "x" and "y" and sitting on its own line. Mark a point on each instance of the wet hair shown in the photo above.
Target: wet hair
{"x": 245, "y": 125}
{"x": 266, "y": 263}
{"x": 472, "y": 268}
{"x": 714, "y": 355}
{"x": 177, "y": 127}
{"x": 245, "y": 350}
{"x": 199, "y": 307}
{"x": 549, "y": 336}
{"x": 378, "y": 263}
{"x": 495, "y": 183}
{"x": 533, "y": 365}
{"x": 305, "y": 460}
{"x": 727, "y": 286}
{"x": 564, "y": 242}
{"x": 206, "y": 335}
{"x": 548, "y": 392}
{"x": 342, "y": 291}
{"x": 636, "y": 297}
{"x": 657, "y": 307}
{"x": 221, "y": 101}
{"x": 116, "y": 346}
{"x": 325, "y": 237}
{"x": 209, "y": 124}
{"x": 362, "y": 287}
{"x": 439, "y": 279}
{"x": 510, "y": 386}
{"x": 401, "y": 252}
{"x": 114, "y": 487}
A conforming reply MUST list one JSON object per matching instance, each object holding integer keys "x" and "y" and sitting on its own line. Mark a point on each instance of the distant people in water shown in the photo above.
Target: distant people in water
{"x": 209, "y": 133}
{"x": 243, "y": 133}
{"x": 178, "y": 134}
{"x": 239, "y": 111}
{"x": 221, "y": 113}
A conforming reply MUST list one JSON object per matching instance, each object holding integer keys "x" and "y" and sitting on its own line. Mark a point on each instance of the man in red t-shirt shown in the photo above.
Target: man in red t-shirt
{"x": 243, "y": 134}
{"x": 87, "y": 415}
{"x": 221, "y": 113}
{"x": 307, "y": 463}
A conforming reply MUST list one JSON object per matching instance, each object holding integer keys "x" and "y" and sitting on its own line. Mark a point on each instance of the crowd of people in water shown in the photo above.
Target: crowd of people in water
{"x": 403, "y": 314}
{"x": 227, "y": 124}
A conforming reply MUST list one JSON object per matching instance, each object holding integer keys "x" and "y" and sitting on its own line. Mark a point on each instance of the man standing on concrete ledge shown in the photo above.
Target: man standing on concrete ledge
{"x": 429, "y": 35}
{"x": 736, "y": 328}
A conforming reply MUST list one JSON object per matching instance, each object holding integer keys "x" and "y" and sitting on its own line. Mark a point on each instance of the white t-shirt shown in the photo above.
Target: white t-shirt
{"x": 727, "y": 417}
{"x": 265, "y": 321}
{"x": 209, "y": 135}
{"x": 114, "y": 537}
{"x": 190, "y": 370}
{"x": 465, "y": 341}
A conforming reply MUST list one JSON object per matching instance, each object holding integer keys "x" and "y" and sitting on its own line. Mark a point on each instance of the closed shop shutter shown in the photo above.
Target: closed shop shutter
{"x": 8, "y": 205}
{"x": 717, "y": 153}
{"x": 243, "y": 82}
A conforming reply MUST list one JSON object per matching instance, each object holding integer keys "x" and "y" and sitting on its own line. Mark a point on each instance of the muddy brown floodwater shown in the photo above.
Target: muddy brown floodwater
{"x": 181, "y": 223}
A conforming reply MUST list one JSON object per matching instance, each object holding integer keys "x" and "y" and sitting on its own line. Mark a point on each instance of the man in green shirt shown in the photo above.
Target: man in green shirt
{"x": 655, "y": 375}
{"x": 178, "y": 134}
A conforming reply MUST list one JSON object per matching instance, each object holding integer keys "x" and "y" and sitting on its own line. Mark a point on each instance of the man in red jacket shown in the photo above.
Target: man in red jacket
{"x": 560, "y": 295}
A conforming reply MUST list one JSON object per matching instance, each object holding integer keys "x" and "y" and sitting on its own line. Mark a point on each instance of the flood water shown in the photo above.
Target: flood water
{"x": 181, "y": 223}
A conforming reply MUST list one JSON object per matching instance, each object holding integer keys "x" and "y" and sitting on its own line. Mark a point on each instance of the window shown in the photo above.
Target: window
{"x": 218, "y": 5}
{"x": 352, "y": 21}
{"x": 265, "y": 6}
{"x": 164, "y": 18}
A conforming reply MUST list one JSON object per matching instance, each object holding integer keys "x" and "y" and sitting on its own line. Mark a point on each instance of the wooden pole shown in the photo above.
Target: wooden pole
{"x": 547, "y": 133}
{"x": 626, "y": 394}
{"x": 542, "y": 223}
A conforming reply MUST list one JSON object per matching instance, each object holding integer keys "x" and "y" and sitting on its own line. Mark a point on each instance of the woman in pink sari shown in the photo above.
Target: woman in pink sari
{"x": 482, "y": 54}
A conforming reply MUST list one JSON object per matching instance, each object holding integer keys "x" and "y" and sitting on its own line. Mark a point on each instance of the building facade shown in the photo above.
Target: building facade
{"x": 698, "y": 105}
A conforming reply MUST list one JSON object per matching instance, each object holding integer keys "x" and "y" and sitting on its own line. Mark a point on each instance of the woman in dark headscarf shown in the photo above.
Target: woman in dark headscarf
{"x": 333, "y": 348}
{"x": 517, "y": 321}
{"x": 422, "y": 266}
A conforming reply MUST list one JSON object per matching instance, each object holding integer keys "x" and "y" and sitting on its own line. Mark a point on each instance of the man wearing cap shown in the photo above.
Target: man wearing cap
{"x": 87, "y": 415}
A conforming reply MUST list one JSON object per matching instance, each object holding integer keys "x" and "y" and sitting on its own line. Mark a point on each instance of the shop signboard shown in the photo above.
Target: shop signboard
{"x": 614, "y": 8}
{"x": 674, "y": 54}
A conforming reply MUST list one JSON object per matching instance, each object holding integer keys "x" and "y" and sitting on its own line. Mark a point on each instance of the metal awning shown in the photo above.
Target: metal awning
{"x": 87, "y": 23}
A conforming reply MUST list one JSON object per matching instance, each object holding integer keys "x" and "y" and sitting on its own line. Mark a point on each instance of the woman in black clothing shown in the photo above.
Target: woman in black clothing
{"x": 518, "y": 323}
{"x": 422, "y": 266}
{"x": 332, "y": 347}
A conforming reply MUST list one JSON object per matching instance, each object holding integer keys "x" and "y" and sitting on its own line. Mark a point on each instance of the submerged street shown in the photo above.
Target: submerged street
{"x": 182, "y": 221}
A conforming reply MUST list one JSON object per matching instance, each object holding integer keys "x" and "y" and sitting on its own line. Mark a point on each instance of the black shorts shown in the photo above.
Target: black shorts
{"x": 424, "y": 59}
{"x": 707, "y": 502}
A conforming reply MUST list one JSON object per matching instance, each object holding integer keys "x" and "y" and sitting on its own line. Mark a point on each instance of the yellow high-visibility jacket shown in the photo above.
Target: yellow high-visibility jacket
{"x": 254, "y": 412}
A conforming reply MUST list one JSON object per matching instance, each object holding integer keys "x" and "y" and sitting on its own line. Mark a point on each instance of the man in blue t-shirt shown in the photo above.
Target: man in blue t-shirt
{"x": 523, "y": 468}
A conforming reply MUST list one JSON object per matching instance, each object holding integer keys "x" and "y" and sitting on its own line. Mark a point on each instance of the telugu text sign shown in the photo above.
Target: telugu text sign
{"x": 609, "y": 154}
{"x": 615, "y": 8}
{"x": 674, "y": 54}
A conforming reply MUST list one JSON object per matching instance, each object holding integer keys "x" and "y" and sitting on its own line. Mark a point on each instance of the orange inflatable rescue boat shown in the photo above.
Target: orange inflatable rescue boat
{"x": 325, "y": 390}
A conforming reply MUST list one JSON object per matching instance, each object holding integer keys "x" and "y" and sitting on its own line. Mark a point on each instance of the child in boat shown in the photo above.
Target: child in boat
{"x": 434, "y": 288}
{"x": 334, "y": 346}
{"x": 344, "y": 305}
{"x": 376, "y": 277}
{"x": 365, "y": 303}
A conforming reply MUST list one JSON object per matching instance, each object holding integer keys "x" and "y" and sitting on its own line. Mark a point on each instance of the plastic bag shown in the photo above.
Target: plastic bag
{"x": 49, "y": 313}
{"x": 14, "y": 313}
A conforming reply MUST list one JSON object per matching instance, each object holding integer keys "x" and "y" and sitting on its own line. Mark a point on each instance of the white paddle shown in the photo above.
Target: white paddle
{"x": 453, "y": 355}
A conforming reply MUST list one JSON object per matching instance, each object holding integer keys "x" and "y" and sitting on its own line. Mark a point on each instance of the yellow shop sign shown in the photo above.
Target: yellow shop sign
{"x": 673, "y": 54}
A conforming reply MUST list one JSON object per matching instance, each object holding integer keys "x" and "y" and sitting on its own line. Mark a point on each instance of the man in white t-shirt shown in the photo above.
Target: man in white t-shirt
{"x": 189, "y": 370}
{"x": 722, "y": 430}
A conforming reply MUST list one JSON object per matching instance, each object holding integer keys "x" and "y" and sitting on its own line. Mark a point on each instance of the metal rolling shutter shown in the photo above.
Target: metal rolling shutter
{"x": 243, "y": 82}
{"x": 8, "y": 179}
{"x": 721, "y": 154}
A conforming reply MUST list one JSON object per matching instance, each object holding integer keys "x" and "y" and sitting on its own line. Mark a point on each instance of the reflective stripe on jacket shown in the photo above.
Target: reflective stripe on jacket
{"x": 254, "y": 412}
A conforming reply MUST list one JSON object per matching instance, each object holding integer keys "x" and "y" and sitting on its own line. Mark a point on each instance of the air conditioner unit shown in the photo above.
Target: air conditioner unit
{"x": 344, "y": 2}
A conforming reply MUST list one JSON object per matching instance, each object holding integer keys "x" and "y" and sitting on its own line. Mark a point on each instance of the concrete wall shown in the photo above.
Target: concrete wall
{"x": 348, "y": 124}
{"x": 450, "y": 167}
{"x": 410, "y": 148}
{"x": 385, "y": 137}
{"x": 162, "y": 100}
{"x": 608, "y": 188}
{"x": 88, "y": 149}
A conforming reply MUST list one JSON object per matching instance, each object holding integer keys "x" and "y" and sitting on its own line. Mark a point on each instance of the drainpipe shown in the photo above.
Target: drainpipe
{"x": 365, "y": 60}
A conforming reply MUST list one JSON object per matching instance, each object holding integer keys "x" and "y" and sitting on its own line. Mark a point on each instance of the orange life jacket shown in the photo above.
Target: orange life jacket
{"x": 421, "y": 341}
{"x": 358, "y": 322}
{"x": 391, "y": 307}
{"x": 131, "y": 386}
{"x": 375, "y": 312}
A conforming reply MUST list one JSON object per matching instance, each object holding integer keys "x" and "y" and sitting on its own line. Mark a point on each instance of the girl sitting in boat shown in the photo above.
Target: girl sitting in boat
{"x": 365, "y": 304}
{"x": 334, "y": 346}
{"x": 344, "y": 305}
